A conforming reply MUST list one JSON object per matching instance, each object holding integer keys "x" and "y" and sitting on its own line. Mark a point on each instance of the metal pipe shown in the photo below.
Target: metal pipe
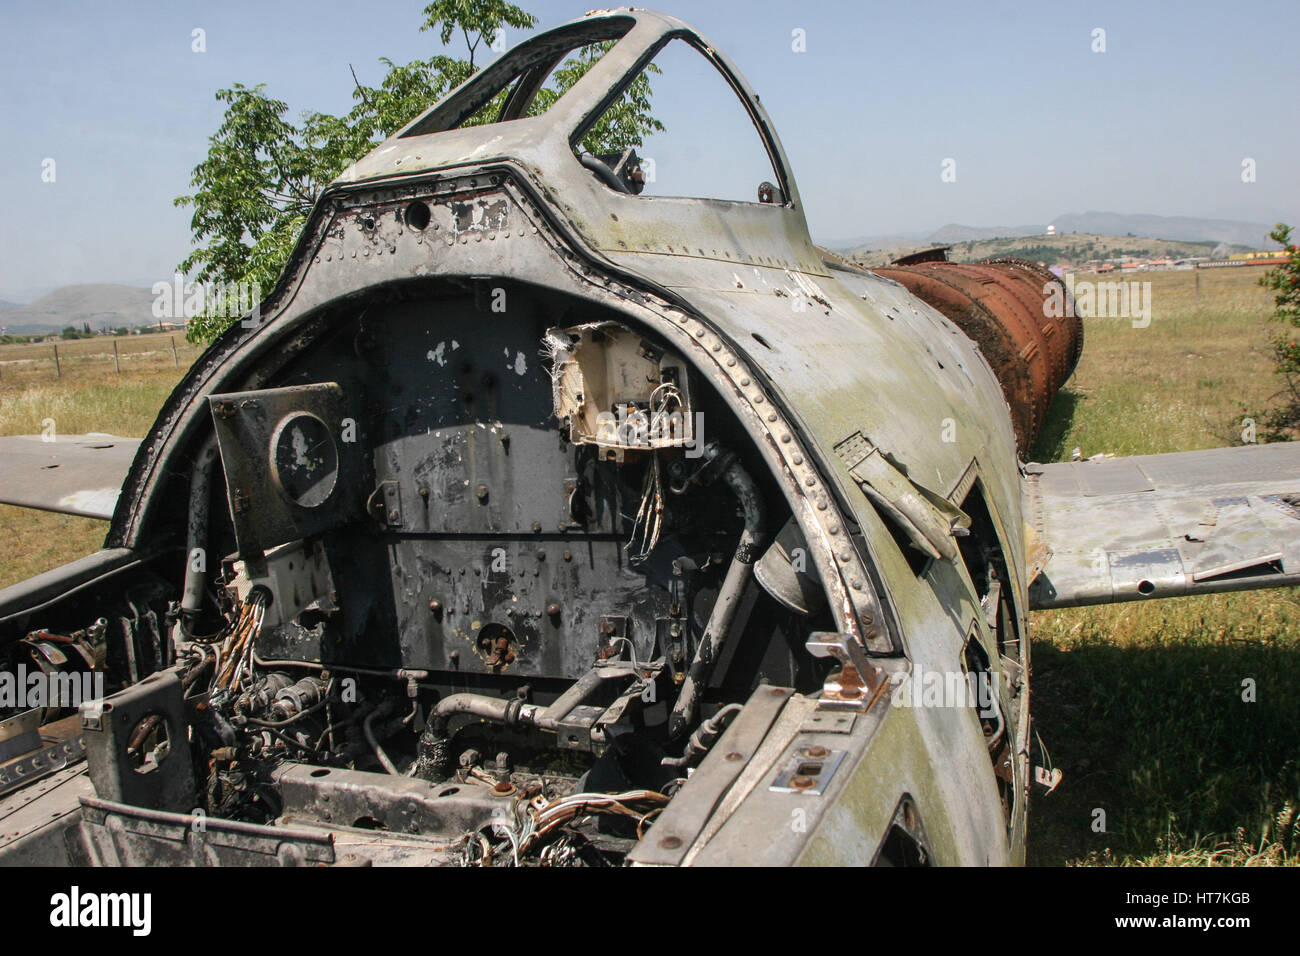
{"x": 578, "y": 692}
{"x": 196, "y": 538}
{"x": 733, "y": 587}
{"x": 433, "y": 753}
{"x": 367, "y": 727}
{"x": 705, "y": 736}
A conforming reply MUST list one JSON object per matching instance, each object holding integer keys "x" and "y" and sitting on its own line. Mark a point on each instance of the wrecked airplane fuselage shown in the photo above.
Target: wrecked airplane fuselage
{"x": 539, "y": 520}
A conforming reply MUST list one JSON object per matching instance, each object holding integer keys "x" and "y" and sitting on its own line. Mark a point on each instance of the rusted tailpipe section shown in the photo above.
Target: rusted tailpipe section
{"x": 1017, "y": 313}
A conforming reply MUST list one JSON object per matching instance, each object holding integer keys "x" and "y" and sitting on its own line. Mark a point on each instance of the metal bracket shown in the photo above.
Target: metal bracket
{"x": 858, "y": 682}
{"x": 809, "y": 770}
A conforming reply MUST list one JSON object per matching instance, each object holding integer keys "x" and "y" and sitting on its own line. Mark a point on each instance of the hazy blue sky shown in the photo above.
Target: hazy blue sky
{"x": 1038, "y": 124}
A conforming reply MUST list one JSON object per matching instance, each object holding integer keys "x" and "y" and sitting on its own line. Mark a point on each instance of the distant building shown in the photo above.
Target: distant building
{"x": 1051, "y": 230}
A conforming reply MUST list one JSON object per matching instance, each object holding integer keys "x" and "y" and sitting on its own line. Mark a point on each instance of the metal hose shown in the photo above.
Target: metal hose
{"x": 733, "y": 587}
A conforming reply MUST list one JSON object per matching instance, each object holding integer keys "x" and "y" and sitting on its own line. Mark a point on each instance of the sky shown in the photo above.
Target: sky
{"x": 870, "y": 100}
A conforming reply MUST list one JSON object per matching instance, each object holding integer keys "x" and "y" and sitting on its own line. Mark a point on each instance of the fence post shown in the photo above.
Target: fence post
{"x": 175, "y": 361}
{"x": 58, "y": 371}
{"x": 117, "y": 364}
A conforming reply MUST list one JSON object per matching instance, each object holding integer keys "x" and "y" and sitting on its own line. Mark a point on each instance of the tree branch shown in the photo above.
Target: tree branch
{"x": 360, "y": 89}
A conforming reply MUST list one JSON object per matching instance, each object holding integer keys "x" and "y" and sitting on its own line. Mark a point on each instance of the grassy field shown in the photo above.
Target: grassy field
{"x": 1138, "y": 704}
{"x": 89, "y": 396}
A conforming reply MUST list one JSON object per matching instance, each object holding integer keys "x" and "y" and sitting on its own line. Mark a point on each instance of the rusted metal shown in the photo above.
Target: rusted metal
{"x": 1019, "y": 315}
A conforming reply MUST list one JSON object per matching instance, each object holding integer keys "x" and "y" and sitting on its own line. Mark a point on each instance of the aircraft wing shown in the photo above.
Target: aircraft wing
{"x": 73, "y": 474}
{"x": 1125, "y": 529}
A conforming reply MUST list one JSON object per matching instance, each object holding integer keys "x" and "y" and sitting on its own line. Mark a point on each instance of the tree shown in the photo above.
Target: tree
{"x": 257, "y": 185}
{"x": 1281, "y": 422}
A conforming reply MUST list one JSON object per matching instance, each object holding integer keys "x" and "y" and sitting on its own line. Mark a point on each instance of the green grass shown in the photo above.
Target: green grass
{"x": 1140, "y": 704}
{"x": 90, "y": 396}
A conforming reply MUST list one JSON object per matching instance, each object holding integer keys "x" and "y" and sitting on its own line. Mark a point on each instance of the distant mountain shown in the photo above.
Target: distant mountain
{"x": 953, "y": 232}
{"x": 865, "y": 243}
{"x": 101, "y": 305}
{"x": 7, "y": 305}
{"x": 1177, "y": 228}
{"x": 1184, "y": 228}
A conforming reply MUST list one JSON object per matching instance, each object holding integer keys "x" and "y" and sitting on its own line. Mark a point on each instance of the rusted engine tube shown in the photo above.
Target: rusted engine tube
{"x": 1018, "y": 314}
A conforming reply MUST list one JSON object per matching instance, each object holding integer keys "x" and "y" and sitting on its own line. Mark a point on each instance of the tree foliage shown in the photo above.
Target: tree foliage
{"x": 1281, "y": 422}
{"x": 253, "y": 191}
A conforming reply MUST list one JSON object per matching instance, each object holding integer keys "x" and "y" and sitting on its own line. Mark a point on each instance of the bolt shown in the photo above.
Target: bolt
{"x": 670, "y": 842}
{"x": 734, "y": 756}
{"x": 537, "y": 527}
{"x": 553, "y": 608}
{"x": 803, "y": 783}
{"x": 424, "y": 492}
{"x": 541, "y": 555}
{"x": 481, "y": 492}
{"x": 568, "y": 555}
{"x": 435, "y": 607}
{"x": 817, "y": 751}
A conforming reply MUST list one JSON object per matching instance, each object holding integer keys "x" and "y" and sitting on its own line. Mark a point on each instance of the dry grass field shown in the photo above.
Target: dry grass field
{"x": 1138, "y": 704}
{"x": 89, "y": 396}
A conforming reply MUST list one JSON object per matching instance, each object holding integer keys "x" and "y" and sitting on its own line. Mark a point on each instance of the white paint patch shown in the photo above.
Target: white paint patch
{"x": 439, "y": 354}
{"x": 97, "y": 504}
{"x": 488, "y": 145}
{"x": 521, "y": 367}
